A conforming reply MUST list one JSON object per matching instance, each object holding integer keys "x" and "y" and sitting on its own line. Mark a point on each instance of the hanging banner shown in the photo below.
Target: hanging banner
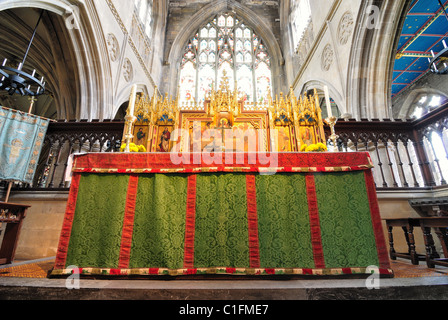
{"x": 21, "y": 139}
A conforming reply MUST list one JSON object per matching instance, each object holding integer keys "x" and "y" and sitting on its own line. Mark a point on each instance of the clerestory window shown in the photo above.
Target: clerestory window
{"x": 225, "y": 45}
{"x": 144, "y": 13}
{"x": 300, "y": 19}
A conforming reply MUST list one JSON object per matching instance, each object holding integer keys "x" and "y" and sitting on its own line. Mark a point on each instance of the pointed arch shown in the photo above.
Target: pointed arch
{"x": 319, "y": 86}
{"x": 80, "y": 28}
{"x": 124, "y": 95}
{"x": 372, "y": 59}
{"x": 207, "y": 13}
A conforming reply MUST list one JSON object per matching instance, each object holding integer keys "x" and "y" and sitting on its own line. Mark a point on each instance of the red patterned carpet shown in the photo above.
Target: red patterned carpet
{"x": 28, "y": 270}
{"x": 405, "y": 269}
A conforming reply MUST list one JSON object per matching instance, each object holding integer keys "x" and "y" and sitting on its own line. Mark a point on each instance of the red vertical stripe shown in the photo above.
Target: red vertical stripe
{"x": 190, "y": 226}
{"x": 128, "y": 223}
{"x": 252, "y": 214}
{"x": 316, "y": 234}
{"x": 64, "y": 240}
{"x": 383, "y": 255}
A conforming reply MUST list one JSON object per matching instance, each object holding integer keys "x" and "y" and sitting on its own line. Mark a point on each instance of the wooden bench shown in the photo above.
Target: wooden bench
{"x": 440, "y": 224}
{"x": 13, "y": 215}
{"x": 408, "y": 225}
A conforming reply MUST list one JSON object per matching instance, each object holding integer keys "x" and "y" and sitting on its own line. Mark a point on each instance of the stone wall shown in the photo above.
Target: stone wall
{"x": 351, "y": 52}
{"x": 42, "y": 226}
{"x": 135, "y": 58}
{"x": 41, "y": 229}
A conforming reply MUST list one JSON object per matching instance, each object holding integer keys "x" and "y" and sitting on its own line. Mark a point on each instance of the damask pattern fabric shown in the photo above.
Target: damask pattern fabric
{"x": 21, "y": 140}
{"x": 159, "y": 227}
{"x": 177, "y": 224}
{"x": 347, "y": 234}
{"x": 221, "y": 221}
{"x": 284, "y": 225}
{"x": 96, "y": 234}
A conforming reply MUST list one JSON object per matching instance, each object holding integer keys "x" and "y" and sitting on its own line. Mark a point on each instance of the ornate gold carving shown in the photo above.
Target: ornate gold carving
{"x": 223, "y": 104}
{"x": 297, "y": 120}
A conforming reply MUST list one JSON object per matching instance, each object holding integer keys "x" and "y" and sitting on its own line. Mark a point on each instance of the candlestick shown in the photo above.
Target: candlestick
{"x": 132, "y": 100}
{"x": 331, "y": 121}
{"x": 328, "y": 102}
{"x": 32, "y": 102}
{"x": 130, "y": 118}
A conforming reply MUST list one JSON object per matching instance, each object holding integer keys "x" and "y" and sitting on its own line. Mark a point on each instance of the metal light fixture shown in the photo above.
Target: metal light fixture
{"x": 439, "y": 62}
{"x": 18, "y": 81}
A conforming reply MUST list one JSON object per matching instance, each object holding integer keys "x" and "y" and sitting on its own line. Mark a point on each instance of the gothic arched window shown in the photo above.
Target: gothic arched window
{"x": 144, "y": 13}
{"x": 225, "y": 45}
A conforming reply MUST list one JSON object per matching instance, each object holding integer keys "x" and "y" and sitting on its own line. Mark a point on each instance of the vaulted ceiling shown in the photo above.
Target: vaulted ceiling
{"x": 49, "y": 56}
{"x": 425, "y": 28}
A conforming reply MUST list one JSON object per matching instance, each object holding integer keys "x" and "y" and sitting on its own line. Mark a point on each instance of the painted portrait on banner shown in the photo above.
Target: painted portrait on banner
{"x": 203, "y": 137}
{"x": 284, "y": 139}
{"x": 164, "y": 139}
{"x": 141, "y": 135}
{"x": 307, "y": 135}
{"x": 245, "y": 137}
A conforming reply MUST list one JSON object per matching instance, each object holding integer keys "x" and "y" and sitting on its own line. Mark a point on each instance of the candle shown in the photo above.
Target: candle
{"x": 132, "y": 100}
{"x": 444, "y": 43}
{"x": 4, "y": 62}
{"x": 328, "y": 102}
{"x": 433, "y": 55}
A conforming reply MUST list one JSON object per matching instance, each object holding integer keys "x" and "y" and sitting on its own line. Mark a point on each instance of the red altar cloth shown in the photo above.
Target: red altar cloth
{"x": 195, "y": 163}
{"x": 328, "y": 250}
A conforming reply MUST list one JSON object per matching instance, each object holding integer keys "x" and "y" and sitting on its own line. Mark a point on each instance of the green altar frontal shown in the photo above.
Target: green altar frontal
{"x": 142, "y": 215}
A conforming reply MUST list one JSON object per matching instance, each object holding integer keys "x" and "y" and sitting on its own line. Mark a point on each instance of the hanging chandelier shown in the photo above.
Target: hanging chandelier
{"x": 439, "y": 62}
{"x": 15, "y": 80}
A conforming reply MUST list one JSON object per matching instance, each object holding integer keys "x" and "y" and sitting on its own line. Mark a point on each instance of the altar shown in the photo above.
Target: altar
{"x": 225, "y": 189}
{"x": 300, "y": 214}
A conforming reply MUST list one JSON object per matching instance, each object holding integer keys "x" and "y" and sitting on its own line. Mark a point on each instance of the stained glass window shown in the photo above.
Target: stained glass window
{"x": 225, "y": 45}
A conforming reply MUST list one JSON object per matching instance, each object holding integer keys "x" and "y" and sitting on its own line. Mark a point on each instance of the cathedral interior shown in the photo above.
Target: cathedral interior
{"x": 376, "y": 67}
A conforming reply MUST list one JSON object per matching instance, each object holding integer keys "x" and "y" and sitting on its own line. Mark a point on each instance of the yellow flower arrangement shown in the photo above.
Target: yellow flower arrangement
{"x": 133, "y": 148}
{"x": 319, "y": 147}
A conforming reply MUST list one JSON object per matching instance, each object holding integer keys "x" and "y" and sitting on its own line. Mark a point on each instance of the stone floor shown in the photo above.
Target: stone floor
{"x": 410, "y": 283}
